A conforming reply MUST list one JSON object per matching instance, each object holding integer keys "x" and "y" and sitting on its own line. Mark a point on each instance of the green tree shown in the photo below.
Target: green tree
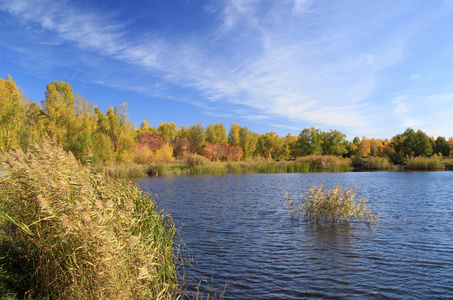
{"x": 442, "y": 146}
{"x": 197, "y": 137}
{"x": 248, "y": 141}
{"x": 423, "y": 146}
{"x": 11, "y": 114}
{"x": 310, "y": 142}
{"x": 333, "y": 143}
{"x": 216, "y": 134}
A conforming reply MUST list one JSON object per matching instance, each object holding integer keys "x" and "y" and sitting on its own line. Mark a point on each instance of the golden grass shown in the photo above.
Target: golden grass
{"x": 331, "y": 205}
{"x": 425, "y": 163}
{"x": 68, "y": 232}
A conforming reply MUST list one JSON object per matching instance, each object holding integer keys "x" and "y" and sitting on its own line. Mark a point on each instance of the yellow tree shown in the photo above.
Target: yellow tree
{"x": 168, "y": 131}
{"x": 11, "y": 114}
{"x": 364, "y": 148}
{"x": 233, "y": 136}
{"x": 59, "y": 108}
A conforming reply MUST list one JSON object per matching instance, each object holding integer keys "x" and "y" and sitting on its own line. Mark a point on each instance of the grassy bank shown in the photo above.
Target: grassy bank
{"x": 425, "y": 164}
{"x": 197, "y": 165}
{"x": 69, "y": 232}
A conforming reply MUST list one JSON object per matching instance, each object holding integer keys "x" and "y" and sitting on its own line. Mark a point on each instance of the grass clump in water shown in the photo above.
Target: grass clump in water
{"x": 69, "y": 232}
{"x": 332, "y": 205}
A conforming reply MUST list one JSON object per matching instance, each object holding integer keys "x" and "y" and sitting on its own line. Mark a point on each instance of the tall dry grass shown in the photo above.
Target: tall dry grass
{"x": 68, "y": 232}
{"x": 325, "y": 162}
{"x": 425, "y": 163}
{"x": 331, "y": 205}
{"x": 378, "y": 163}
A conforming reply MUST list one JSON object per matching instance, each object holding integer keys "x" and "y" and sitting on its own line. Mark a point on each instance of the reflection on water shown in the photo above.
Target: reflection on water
{"x": 239, "y": 229}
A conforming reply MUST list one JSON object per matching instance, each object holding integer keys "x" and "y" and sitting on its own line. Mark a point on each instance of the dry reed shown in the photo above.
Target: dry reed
{"x": 332, "y": 205}
{"x": 68, "y": 232}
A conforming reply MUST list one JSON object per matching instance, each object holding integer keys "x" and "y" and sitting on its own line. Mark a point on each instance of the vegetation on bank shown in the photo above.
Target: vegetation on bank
{"x": 69, "y": 232}
{"x": 110, "y": 139}
{"x": 331, "y": 205}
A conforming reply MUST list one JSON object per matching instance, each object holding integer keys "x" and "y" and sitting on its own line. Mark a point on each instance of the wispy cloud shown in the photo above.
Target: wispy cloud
{"x": 301, "y": 60}
{"x": 425, "y": 112}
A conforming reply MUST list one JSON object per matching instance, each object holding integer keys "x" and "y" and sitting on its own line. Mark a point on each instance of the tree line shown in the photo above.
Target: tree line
{"x": 92, "y": 135}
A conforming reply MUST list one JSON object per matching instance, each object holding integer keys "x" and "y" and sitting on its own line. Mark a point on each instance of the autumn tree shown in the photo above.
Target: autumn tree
{"x": 233, "y": 136}
{"x": 290, "y": 145}
{"x": 11, "y": 114}
{"x": 214, "y": 152}
{"x": 59, "y": 108}
{"x": 152, "y": 141}
{"x": 168, "y": 131}
{"x": 145, "y": 128}
{"x": 184, "y": 133}
{"x": 270, "y": 145}
{"x": 364, "y": 147}
{"x": 181, "y": 147}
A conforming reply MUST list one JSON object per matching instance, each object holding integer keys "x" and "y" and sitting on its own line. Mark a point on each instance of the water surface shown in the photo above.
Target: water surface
{"x": 240, "y": 230}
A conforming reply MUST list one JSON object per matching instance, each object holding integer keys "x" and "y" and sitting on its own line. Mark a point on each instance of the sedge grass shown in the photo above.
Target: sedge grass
{"x": 331, "y": 205}
{"x": 68, "y": 232}
{"x": 425, "y": 164}
{"x": 378, "y": 163}
{"x": 130, "y": 170}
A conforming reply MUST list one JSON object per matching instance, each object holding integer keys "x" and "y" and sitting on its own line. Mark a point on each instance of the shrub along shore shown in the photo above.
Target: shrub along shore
{"x": 198, "y": 165}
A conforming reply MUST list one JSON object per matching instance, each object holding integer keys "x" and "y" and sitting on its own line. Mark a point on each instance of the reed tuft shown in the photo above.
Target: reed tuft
{"x": 425, "y": 163}
{"x": 332, "y": 205}
{"x": 69, "y": 232}
{"x": 378, "y": 163}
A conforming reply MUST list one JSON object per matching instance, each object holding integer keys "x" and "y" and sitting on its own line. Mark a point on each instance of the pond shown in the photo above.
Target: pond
{"x": 241, "y": 233}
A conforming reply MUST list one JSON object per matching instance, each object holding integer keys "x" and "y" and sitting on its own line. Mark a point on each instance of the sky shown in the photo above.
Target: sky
{"x": 365, "y": 68}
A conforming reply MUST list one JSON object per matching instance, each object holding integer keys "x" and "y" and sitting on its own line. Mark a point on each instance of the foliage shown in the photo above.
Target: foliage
{"x": 67, "y": 232}
{"x": 197, "y": 138}
{"x": 441, "y": 146}
{"x": 216, "y": 134}
{"x": 181, "y": 147}
{"x": 332, "y": 205}
{"x": 11, "y": 114}
{"x": 152, "y": 141}
{"x": 233, "y": 136}
{"x": 164, "y": 154}
{"x": 98, "y": 138}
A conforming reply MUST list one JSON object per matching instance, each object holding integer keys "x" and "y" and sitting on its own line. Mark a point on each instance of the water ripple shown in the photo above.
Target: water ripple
{"x": 240, "y": 232}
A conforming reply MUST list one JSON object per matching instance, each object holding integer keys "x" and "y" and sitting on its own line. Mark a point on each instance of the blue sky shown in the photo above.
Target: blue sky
{"x": 365, "y": 68}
